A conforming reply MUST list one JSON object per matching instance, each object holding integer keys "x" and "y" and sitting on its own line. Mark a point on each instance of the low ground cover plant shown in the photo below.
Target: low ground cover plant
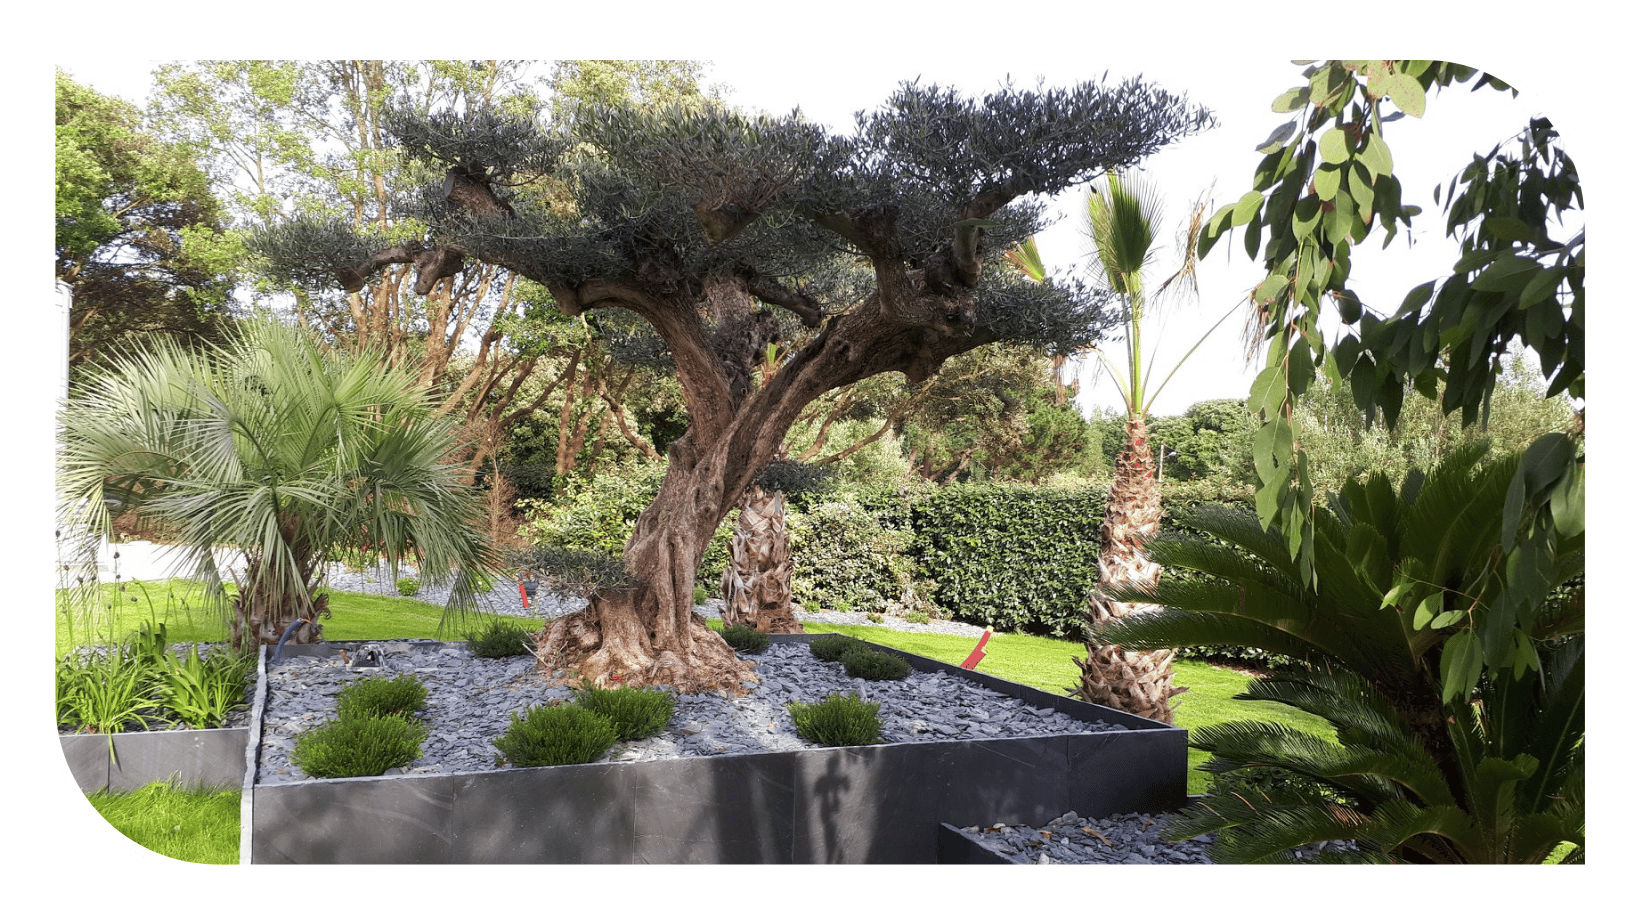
{"x": 379, "y": 696}
{"x": 635, "y": 713}
{"x": 552, "y": 735}
{"x": 834, "y": 647}
{"x": 838, "y": 721}
{"x": 362, "y": 745}
{"x": 500, "y": 638}
{"x": 745, "y": 639}
{"x": 871, "y": 664}
{"x": 408, "y": 587}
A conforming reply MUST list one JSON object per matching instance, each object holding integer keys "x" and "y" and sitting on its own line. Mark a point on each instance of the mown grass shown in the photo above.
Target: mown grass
{"x": 194, "y": 825}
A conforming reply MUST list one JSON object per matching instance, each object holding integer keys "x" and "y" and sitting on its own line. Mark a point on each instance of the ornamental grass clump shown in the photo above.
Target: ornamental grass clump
{"x": 377, "y": 696}
{"x": 745, "y": 639}
{"x": 871, "y": 664}
{"x": 635, "y": 714}
{"x": 551, "y": 735}
{"x": 201, "y": 692}
{"x": 501, "y": 638}
{"x": 362, "y": 745}
{"x": 833, "y": 647}
{"x": 838, "y": 721}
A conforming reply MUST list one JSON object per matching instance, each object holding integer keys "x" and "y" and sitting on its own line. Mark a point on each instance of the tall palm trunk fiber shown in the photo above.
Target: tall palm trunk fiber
{"x": 757, "y": 585}
{"x": 1136, "y": 682}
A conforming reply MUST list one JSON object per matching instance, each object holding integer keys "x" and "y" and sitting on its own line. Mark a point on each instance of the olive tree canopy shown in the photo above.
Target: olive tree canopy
{"x": 866, "y": 252}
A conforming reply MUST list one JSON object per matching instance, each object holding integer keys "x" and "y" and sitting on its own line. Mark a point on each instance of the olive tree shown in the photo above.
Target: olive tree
{"x": 867, "y": 252}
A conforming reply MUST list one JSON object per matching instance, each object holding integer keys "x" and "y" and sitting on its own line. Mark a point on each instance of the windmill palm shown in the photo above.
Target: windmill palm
{"x": 1121, "y": 223}
{"x": 282, "y": 451}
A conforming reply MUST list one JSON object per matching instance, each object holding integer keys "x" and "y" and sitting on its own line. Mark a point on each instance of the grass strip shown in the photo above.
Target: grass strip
{"x": 193, "y": 825}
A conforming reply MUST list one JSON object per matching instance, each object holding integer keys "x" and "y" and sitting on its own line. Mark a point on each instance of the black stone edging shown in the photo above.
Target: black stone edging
{"x": 880, "y": 803}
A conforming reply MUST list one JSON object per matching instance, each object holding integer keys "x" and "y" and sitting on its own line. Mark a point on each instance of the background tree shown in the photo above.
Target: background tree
{"x": 703, "y": 223}
{"x": 283, "y": 451}
{"x": 138, "y": 232}
{"x": 308, "y": 139}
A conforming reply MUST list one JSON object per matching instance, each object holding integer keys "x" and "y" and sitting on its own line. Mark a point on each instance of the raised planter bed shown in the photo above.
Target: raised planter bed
{"x": 210, "y": 757}
{"x": 878, "y": 804}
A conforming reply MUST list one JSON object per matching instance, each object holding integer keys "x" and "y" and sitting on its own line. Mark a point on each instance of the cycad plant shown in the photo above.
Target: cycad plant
{"x": 281, "y": 450}
{"x": 1455, "y": 690}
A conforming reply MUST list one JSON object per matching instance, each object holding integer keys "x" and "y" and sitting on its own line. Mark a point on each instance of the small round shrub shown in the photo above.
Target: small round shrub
{"x": 700, "y": 595}
{"x": 636, "y": 714}
{"x": 358, "y": 746}
{"x": 547, "y": 736}
{"x": 871, "y": 664}
{"x": 409, "y": 587}
{"x": 378, "y": 696}
{"x": 838, "y": 721}
{"x": 745, "y": 639}
{"x": 833, "y": 647}
{"x": 501, "y": 638}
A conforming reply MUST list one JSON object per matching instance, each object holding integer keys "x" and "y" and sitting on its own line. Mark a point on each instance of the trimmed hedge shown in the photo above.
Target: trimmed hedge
{"x": 1018, "y": 558}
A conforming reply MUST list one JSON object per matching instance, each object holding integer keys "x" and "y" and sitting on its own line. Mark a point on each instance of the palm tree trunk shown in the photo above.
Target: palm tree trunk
{"x": 1136, "y": 682}
{"x": 757, "y": 585}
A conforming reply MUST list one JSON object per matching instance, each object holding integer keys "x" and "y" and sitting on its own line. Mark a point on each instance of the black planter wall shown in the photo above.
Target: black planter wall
{"x": 878, "y": 804}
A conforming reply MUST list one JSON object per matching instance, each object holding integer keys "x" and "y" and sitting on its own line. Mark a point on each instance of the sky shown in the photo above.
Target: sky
{"x": 1237, "y": 86}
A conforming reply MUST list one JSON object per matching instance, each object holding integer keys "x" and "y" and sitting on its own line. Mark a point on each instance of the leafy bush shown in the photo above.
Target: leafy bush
{"x": 745, "y": 639}
{"x": 871, "y": 664}
{"x": 599, "y": 515}
{"x": 379, "y": 696}
{"x": 1017, "y": 558}
{"x": 844, "y": 558}
{"x": 408, "y": 587}
{"x": 635, "y": 714}
{"x": 838, "y": 721}
{"x": 202, "y": 691}
{"x": 834, "y": 647}
{"x": 108, "y": 692}
{"x": 550, "y": 735}
{"x": 363, "y": 745}
{"x": 501, "y": 638}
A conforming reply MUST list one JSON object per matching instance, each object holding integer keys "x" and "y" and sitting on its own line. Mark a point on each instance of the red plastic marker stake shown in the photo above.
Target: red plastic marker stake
{"x": 523, "y": 596}
{"x": 969, "y": 662}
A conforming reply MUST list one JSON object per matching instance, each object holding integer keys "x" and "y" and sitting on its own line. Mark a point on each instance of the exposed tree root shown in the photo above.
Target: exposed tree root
{"x": 579, "y": 648}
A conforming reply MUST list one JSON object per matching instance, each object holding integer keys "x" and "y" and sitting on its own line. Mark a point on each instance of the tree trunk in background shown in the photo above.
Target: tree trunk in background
{"x": 757, "y": 585}
{"x": 1136, "y": 682}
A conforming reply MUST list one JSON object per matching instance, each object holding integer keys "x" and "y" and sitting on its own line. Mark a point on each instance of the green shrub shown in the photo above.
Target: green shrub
{"x": 501, "y": 638}
{"x": 844, "y": 558}
{"x": 745, "y": 639}
{"x": 871, "y": 664}
{"x": 838, "y": 721}
{"x": 358, "y": 746}
{"x": 105, "y": 692}
{"x": 834, "y": 647}
{"x": 409, "y": 587}
{"x": 202, "y": 691}
{"x": 635, "y": 714}
{"x": 599, "y": 515}
{"x": 700, "y": 595}
{"x": 378, "y": 696}
{"x": 551, "y": 735}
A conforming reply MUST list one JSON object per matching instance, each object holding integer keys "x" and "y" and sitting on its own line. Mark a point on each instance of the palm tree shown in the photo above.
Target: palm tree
{"x": 1122, "y": 219}
{"x": 1439, "y": 756}
{"x": 283, "y": 451}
